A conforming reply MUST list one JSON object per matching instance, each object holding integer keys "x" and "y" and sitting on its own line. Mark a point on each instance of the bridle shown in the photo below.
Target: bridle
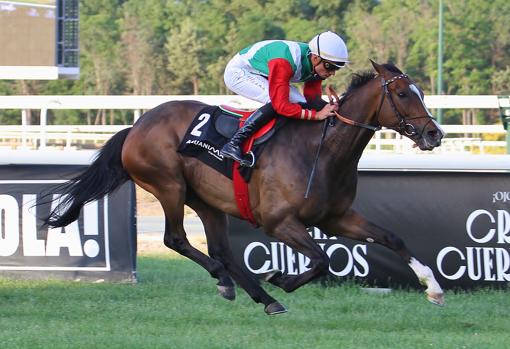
{"x": 402, "y": 126}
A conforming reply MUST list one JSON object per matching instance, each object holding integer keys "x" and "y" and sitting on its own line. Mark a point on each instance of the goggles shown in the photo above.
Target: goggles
{"x": 330, "y": 66}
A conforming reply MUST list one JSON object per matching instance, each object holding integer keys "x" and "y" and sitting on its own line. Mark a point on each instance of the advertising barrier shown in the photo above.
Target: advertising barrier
{"x": 454, "y": 219}
{"x": 100, "y": 245}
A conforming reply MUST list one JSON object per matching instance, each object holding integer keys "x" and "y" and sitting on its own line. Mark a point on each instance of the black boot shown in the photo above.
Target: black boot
{"x": 259, "y": 118}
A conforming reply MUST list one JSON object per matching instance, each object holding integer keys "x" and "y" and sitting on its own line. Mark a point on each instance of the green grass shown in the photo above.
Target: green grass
{"x": 175, "y": 305}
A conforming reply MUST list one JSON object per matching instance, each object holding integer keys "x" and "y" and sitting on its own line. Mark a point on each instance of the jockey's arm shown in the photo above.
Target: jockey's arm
{"x": 313, "y": 94}
{"x": 280, "y": 73}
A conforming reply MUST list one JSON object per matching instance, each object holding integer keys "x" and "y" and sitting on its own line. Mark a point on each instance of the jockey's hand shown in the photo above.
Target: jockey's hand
{"x": 327, "y": 111}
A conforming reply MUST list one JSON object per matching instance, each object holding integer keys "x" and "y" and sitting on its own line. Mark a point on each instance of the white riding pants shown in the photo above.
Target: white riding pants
{"x": 243, "y": 80}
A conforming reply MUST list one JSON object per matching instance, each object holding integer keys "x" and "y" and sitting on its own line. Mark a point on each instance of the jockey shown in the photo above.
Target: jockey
{"x": 264, "y": 71}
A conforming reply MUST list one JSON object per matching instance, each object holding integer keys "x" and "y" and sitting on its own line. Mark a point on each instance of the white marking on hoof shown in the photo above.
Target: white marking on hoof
{"x": 426, "y": 277}
{"x": 435, "y": 298}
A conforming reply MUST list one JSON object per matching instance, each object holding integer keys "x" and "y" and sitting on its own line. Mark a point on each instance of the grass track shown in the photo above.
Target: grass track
{"x": 175, "y": 305}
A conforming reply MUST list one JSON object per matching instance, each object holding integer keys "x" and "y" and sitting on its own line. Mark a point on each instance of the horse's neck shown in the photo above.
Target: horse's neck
{"x": 345, "y": 142}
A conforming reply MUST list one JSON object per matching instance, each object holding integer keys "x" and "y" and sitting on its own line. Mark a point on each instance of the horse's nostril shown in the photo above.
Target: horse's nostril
{"x": 433, "y": 133}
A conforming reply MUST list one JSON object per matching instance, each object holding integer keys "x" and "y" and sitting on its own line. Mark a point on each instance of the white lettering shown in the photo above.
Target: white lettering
{"x": 9, "y": 225}
{"x": 482, "y": 263}
{"x": 31, "y": 245}
{"x": 66, "y": 237}
{"x": 501, "y": 196}
{"x": 440, "y": 258}
{"x": 348, "y": 267}
{"x": 503, "y": 227}
{"x": 471, "y": 260}
{"x": 291, "y": 261}
{"x": 14, "y": 235}
{"x": 265, "y": 267}
{"x": 474, "y": 215}
{"x": 90, "y": 228}
{"x": 278, "y": 256}
{"x": 488, "y": 265}
{"x": 502, "y": 264}
{"x": 304, "y": 262}
{"x": 361, "y": 260}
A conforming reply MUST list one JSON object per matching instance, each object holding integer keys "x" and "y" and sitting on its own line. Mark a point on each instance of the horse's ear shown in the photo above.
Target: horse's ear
{"x": 378, "y": 68}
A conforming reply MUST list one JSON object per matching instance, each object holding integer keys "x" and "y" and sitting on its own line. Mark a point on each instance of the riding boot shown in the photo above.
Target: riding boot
{"x": 256, "y": 120}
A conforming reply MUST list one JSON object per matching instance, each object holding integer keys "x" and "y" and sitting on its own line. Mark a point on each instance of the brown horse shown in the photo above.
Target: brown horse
{"x": 147, "y": 154}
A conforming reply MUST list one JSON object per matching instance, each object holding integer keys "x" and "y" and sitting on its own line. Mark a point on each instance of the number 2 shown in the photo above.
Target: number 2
{"x": 196, "y": 130}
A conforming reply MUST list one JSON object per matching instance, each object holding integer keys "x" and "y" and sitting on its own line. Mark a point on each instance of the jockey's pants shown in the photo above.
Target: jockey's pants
{"x": 243, "y": 80}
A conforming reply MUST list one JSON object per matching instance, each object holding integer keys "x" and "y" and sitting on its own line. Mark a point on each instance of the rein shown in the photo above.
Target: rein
{"x": 333, "y": 97}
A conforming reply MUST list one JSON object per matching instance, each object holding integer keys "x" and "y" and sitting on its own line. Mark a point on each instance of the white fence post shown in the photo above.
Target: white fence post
{"x": 44, "y": 121}
{"x": 24, "y": 123}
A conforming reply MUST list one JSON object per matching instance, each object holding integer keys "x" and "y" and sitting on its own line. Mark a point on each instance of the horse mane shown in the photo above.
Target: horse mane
{"x": 363, "y": 77}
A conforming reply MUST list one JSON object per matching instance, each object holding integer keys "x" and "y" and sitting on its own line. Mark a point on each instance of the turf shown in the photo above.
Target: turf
{"x": 175, "y": 305}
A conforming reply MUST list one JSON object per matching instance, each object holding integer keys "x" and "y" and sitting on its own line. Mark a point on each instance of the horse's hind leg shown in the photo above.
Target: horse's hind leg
{"x": 294, "y": 234}
{"x": 216, "y": 226}
{"x": 354, "y": 226}
{"x": 175, "y": 236}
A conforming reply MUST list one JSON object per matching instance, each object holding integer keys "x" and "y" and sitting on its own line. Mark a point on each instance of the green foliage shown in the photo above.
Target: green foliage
{"x": 182, "y": 46}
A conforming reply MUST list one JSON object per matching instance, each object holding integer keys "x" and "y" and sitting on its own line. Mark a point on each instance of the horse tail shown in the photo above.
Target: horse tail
{"x": 102, "y": 177}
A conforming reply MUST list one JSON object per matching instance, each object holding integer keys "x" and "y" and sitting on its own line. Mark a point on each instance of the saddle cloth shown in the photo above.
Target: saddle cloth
{"x": 212, "y": 127}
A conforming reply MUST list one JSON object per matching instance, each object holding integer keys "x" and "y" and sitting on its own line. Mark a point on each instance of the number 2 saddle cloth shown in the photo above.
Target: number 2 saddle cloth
{"x": 212, "y": 127}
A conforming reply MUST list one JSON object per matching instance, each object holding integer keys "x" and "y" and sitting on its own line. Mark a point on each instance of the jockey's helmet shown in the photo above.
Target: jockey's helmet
{"x": 330, "y": 46}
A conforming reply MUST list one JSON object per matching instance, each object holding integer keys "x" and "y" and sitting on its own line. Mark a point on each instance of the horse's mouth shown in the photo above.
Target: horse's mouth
{"x": 427, "y": 145}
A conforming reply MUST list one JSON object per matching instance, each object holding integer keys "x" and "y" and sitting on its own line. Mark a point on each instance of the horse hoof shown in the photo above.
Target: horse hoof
{"x": 272, "y": 275}
{"x": 436, "y": 298}
{"x": 227, "y": 292}
{"x": 275, "y": 308}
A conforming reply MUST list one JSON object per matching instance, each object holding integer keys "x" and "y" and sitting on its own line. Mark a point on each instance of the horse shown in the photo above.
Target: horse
{"x": 146, "y": 153}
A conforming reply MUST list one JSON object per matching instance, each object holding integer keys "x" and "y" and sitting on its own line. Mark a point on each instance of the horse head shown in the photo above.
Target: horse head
{"x": 402, "y": 109}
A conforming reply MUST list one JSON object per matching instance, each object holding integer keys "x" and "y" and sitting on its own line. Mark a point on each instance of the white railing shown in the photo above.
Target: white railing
{"x": 386, "y": 141}
{"x": 461, "y": 138}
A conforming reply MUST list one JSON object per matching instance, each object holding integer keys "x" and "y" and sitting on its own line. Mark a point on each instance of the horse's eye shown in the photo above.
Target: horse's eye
{"x": 401, "y": 94}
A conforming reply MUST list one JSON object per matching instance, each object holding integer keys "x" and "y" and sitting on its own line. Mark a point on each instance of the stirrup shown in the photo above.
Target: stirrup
{"x": 248, "y": 163}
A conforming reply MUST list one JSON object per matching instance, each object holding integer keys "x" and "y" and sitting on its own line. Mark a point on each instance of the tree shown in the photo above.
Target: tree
{"x": 184, "y": 50}
{"x": 142, "y": 43}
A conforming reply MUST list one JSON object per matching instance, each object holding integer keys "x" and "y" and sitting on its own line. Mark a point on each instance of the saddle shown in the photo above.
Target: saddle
{"x": 231, "y": 119}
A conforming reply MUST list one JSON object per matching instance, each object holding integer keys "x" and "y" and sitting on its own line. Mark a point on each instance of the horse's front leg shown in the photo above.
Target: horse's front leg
{"x": 353, "y": 226}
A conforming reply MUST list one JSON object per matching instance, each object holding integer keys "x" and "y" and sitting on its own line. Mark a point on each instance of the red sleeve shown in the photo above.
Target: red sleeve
{"x": 313, "y": 90}
{"x": 280, "y": 73}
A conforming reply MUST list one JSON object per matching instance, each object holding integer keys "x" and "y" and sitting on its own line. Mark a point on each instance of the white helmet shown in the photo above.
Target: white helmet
{"x": 330, "y": 46}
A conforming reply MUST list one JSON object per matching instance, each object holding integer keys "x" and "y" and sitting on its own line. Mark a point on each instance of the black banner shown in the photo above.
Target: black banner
{"x": 100, "y": 245}
{"x": 457, "y": 223}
